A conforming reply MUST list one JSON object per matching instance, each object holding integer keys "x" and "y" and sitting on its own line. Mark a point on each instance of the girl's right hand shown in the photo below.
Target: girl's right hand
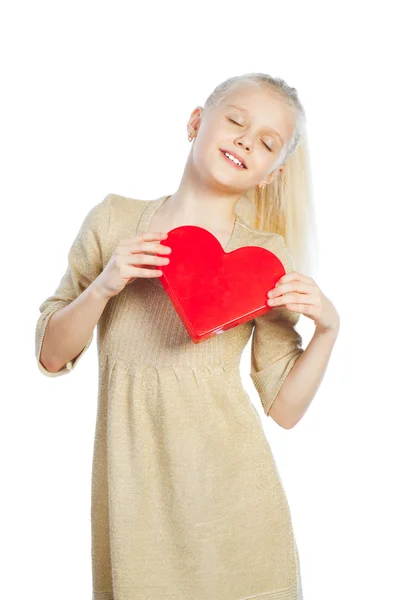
{"x": 126, "y": 264}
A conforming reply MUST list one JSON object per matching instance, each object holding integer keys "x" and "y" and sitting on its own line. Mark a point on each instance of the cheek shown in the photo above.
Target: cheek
{"x": 263, "y": 164}
{"x": 206, "y": 147}
{"x": 207, "y": 139}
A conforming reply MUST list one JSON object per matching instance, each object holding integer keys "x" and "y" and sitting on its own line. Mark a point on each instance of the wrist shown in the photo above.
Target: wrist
{"x": 98, "y": 292}
{"x": 332, "y": 331}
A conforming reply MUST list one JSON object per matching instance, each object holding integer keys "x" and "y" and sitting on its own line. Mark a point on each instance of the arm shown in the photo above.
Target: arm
{"x": 303, "y": 380}
{"x": 285, "y": 375}
{"x": 70, "y": 329}
{"x": 64, "y": 330}
{"x": 276, "y": 344}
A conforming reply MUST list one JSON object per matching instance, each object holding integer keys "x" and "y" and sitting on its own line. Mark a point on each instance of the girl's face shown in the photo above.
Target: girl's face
{"x": 251, "y": 122}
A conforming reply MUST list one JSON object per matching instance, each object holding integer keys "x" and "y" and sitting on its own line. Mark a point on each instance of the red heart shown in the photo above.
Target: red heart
{"x": 212, "y": 290}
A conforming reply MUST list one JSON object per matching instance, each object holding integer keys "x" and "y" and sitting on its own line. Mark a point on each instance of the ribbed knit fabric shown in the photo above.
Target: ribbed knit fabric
{"x": 187, "y": 501}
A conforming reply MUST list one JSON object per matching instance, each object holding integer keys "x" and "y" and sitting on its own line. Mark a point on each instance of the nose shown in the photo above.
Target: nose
{"x": 245, "y": 145}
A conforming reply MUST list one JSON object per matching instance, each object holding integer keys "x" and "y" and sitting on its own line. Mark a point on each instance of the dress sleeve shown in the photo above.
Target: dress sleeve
{"x": 85, "y": 263}
{"x": 275, "y": 344}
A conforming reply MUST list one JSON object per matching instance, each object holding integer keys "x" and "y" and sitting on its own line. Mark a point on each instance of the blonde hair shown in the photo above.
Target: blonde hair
{"x": 284, "y": 206}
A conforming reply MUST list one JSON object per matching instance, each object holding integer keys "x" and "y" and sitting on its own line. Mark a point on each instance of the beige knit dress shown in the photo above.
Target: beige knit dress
{"x": 187, "y": 502}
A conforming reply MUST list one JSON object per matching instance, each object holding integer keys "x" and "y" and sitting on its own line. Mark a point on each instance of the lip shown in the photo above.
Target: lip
{"x": 235, "y": 155}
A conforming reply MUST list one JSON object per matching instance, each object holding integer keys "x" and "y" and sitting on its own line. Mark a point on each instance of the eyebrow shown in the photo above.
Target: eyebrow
{"x": 245, "y": 110}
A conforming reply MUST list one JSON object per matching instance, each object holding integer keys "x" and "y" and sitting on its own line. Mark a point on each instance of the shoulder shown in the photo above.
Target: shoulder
{"x": 113, "y": 210}
{"x": 256, "y": 237}
{"x": 124, "y": 206}
{"x": 274, "y": 242}
{"x": 125, "y": 214}
{"x": 107, "y": 222}
{"x": 124, "y": 217}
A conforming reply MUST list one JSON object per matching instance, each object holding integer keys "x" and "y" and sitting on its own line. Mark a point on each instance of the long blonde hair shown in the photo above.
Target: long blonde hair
{"x": 284, "y": 206}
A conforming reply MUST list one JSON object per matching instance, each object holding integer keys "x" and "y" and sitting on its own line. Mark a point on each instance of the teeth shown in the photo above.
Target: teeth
{"x": 233, "y": 159}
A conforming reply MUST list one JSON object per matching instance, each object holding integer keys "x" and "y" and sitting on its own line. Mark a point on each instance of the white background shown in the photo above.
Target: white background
{"x": 95, "y": 100}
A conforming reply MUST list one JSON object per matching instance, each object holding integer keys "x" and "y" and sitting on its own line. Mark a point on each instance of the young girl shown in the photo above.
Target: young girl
{"x": 187, "y": 502}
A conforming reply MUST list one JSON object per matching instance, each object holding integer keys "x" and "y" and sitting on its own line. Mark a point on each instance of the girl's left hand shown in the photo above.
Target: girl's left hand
{"x": 301, "y": 294}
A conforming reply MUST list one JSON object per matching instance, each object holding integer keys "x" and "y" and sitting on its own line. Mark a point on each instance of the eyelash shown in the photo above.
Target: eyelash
{"x": 232, "y": 121}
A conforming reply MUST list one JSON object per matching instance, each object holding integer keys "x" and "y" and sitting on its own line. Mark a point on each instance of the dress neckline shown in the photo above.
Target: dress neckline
{"x": 154, "y": 205}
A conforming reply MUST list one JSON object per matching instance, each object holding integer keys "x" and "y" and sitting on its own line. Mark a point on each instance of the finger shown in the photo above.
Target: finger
{"x": 153, "y": 235}
{"x": 295, "y": 275}
{"x": 151, "y": 272}
{"x": 291, "y": 286}
{"x": 298, "y": 308}
{"x": 142, "y": 272}
{"x": 292, "y": 297}
{"x": 156, "y": 248}
{"x": 148, "y": 236}
{"x": 304, "y": 309}
{"x": 148, "y": 247}
{"x": 147, "y": 259}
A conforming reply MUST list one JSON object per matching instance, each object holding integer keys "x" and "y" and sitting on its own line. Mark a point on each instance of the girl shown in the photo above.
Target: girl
{"x": 187, "y": 502}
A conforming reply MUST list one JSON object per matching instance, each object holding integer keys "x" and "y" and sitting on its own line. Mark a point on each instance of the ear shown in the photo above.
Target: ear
{"x": 270, "y": 177}
{"x": 194, "y": 120}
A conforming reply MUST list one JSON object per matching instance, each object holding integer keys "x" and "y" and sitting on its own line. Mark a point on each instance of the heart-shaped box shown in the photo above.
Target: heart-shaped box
{"x": 213, "y": 290}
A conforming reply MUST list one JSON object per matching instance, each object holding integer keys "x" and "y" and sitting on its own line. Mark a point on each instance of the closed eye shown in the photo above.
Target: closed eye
{"x": 232, "y": 121}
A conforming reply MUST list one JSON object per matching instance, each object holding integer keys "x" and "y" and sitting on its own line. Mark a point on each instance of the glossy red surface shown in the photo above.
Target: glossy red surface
{"x": 213, "y": 290}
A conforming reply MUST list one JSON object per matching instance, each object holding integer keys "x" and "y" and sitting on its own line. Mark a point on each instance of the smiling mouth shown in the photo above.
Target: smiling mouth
{"x": 235, "y": 164}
